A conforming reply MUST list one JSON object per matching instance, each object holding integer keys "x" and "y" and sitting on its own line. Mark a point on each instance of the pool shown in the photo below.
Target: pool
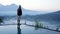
{"x": 24, "y": 29}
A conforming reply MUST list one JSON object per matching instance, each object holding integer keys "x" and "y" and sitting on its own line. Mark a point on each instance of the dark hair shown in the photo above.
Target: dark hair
{"x": 19, "y": 11}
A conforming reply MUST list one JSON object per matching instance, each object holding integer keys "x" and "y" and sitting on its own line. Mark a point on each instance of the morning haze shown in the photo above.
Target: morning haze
{"x": 46, "y": 5}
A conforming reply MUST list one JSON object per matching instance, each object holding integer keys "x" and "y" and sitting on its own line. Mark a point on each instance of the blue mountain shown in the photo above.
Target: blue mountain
{"x": 12, "y": 10}
{"x": 50, "y": 17}
{"x": 11, "y": 7}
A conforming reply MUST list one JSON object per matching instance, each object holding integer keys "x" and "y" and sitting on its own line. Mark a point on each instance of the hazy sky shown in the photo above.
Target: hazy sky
{"x": 35, "y": 4}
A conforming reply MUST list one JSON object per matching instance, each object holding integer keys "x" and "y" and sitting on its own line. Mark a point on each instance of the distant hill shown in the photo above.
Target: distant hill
{"x": 11, "y": 7}
{"x": 12, "y": 10}
{"x": 53, "y": 18}
{"x": 50, "y": 17}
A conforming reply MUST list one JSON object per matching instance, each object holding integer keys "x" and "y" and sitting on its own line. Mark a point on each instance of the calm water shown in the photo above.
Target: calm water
{"x": 23, "y": 29}
{"x": 12, "y": 29}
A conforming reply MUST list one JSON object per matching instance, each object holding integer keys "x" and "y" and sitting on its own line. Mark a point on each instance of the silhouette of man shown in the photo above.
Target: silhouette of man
{"x": 19, "y": 11}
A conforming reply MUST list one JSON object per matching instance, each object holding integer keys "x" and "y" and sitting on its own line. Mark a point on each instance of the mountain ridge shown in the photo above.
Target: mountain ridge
{"x": 8, "y": 9}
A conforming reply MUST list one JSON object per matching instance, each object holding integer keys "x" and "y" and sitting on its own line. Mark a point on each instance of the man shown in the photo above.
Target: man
{"x": 19, "y": 13}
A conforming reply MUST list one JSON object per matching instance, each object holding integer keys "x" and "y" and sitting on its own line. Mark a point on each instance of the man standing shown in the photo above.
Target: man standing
{"x": 19, "y": 13}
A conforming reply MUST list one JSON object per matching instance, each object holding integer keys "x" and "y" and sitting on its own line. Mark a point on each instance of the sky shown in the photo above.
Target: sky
{"x": 49, "y": 5}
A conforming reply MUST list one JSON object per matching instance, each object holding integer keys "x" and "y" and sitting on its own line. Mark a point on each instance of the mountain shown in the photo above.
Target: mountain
{"x": 12, "y": 10}
{"x": 50, "y": 17}
{"x": 11, "y": 7}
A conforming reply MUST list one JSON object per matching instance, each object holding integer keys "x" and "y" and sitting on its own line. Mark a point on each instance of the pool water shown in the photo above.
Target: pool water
{"x": 23, "y": 29}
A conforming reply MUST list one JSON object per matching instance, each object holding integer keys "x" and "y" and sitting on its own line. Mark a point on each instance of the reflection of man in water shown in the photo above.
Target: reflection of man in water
{"x": 18, "y": 30}
{"x": 19, "y": 13}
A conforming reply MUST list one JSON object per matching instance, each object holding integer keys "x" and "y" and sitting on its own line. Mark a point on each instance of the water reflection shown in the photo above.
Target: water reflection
{"x": 18, "y": 29}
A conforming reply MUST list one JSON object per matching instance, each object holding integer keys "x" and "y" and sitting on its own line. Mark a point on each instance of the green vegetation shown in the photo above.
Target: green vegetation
{"x": 38, "y": 24}
{"x": 1, "y": 20}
